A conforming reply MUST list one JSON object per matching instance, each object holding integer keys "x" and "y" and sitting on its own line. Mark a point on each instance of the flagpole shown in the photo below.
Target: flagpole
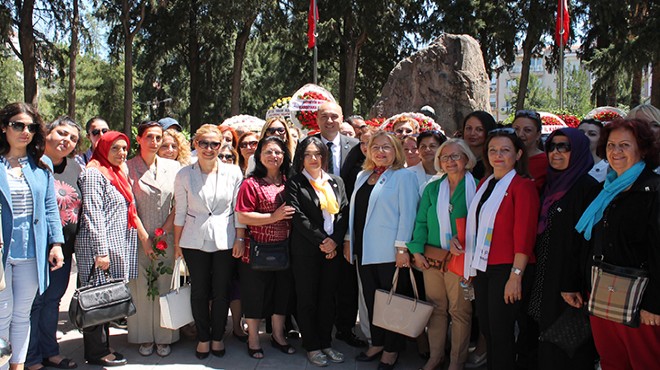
{"x": 561, "y": 57}
{"x": 315, "y": 78}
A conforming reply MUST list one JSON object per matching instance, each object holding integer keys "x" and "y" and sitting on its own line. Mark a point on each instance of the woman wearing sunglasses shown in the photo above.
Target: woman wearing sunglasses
{"x": 527, "y": 124}
{"x": 228, "y": 154}
{"x": 205, "y": 234}
{"x": 152, "y": 179}
{"x": 500, "y": 235}
{"x": 565, "y": 196}
{"x": 247, "y": 144}
{"x": 279, "y": 127}
{"x": 31, "y": 227}
{"x": 405, "y": 126}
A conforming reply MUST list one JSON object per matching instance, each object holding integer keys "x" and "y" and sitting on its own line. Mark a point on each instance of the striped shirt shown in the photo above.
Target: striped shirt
{"x": 22, "y": 241}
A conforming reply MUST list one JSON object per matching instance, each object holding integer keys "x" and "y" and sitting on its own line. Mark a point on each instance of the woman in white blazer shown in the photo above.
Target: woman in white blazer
{"x": 381, "y": 221}
{"x": 205, "y": 234}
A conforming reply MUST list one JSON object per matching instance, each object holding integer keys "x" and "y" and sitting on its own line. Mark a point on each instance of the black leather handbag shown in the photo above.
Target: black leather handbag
{"x": 569, "y": 332}
{"x": 93, "y": 305}
{"x": 269, "y": 256}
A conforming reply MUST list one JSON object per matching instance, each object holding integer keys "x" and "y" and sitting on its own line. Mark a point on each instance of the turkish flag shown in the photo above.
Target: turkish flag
{"x": 312, "y": 18}
{"x": 562, "y": 24}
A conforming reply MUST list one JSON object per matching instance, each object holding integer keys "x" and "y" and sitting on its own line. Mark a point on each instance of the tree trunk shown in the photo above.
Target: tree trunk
{"x": 655, "y": 83}
{"x": 194, "y": 68}
{"x": 611, "y": 91}
{"x": 26, "y": 42}
{"x": 351, "y": 64}
{"x": 73, "y": 55}
{"x": 239, "y": 56}
{"x": 636, "y": 88}
{"x": 531, "y": 39}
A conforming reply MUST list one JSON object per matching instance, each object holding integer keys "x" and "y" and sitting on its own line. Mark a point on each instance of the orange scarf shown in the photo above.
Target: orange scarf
{"x": 117, "y": 177}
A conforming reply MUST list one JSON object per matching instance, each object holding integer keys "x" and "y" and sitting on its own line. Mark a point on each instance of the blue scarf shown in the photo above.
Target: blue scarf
{"x": 613, "y": 186}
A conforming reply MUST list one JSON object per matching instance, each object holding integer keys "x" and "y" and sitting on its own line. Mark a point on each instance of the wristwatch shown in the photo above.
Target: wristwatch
{"x": 240, "y": 239}
{"x": 401, "y": 251}
{"x": 516, "y": 271}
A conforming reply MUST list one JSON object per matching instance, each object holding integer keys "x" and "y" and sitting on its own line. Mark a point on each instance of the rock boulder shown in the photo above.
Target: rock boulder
{"x": 448, "y": 75}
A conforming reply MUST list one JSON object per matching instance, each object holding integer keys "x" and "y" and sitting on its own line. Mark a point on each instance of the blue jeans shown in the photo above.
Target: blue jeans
{"x": 44, "y": 317}
{"x": 15, "y": 302}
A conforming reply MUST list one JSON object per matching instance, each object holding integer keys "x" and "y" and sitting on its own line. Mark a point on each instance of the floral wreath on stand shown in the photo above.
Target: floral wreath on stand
{"x": 304, "y": 105}
{"x": 425, "y": 122}
{"x": 280, "y": 109}
{"x": 375, "y": 122}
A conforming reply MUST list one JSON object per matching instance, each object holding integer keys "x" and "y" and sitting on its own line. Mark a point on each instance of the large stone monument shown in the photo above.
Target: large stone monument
{"x": 448, "y": 75}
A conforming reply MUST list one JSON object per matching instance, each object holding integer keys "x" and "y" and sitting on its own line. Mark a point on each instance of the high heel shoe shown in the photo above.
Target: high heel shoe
{"x": 363, "y": 357}
{"x": 256, "y": 354}
{"x": 284, "y": 348}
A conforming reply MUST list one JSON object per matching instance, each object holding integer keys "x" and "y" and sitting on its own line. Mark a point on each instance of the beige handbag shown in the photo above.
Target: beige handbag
{"x": 175, "y": 308}
{"x": 401, "y": 314}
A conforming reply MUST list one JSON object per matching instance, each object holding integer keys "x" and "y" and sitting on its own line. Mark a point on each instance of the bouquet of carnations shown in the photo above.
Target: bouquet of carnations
{"x": 425, "y": 122}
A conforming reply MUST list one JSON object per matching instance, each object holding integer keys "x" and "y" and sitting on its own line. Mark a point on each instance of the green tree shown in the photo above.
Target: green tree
{"x": 536, "y": 96}
{"x": 11, "y": 77}
{"x": 577, "y": 92}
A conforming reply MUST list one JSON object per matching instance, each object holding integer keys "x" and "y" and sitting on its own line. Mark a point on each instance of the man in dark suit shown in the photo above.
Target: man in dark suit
{"x": 329, "y": 119}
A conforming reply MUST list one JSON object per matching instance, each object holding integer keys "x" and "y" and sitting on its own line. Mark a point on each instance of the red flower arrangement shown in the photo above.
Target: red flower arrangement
{"x": 375, "y": 122}
{"x": 549, "y": 120}
{"x": 157, "y": 268}
{"x": 307, "y": 118}
{"x": 425, "y": 123}
{"x": 570, "y": 120}
{"x": 607, "y": 116}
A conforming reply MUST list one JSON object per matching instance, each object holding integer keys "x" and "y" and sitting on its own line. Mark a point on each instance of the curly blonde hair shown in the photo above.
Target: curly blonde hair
{"x": 182, "y": 143}
{"x": 399, "y": 156}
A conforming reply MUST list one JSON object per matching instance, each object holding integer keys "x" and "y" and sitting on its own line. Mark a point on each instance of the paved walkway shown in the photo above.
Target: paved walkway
{"x": 183, "y": 352}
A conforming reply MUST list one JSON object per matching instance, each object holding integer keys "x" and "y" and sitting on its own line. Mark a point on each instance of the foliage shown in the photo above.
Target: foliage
{"x": 11, "y": 72}
{"x": 157, "y": 267}
{"x": 537, "y": 97}
{"x": 577, "y": 91}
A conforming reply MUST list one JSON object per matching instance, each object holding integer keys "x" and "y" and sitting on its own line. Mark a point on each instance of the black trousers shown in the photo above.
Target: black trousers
{"x": 95, "y": 341}
{"x": 497, "y": 319}
{"x": 346, "y": 298}
{"x": 316, "y": 280}
{"x": 210, "y": 280}
{"x": 379, "y": 276}
{"x": 264, "y": 293}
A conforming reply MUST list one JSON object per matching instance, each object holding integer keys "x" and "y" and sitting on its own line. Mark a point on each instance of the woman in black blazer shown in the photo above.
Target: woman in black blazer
{"x": 319, "y": 226}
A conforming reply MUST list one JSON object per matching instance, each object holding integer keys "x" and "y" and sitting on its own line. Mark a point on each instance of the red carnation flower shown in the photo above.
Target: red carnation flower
{"x": 161, "y": 245}
{"x": 159, "y": 232}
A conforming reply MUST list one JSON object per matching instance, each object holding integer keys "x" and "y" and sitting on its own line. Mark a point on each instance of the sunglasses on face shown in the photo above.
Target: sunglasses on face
{"x": 247, "y": 144}
{"x": 20, "y": 126}
{"x": 502, "y": 131}
{"x": 227, "y": 157}
{"x": 561, "y": 147}
{"x": 97, "y": 131}
{"x": 275, "y": 130}
{"x": 208, "y": 144}
{"x": 528, "y": 114}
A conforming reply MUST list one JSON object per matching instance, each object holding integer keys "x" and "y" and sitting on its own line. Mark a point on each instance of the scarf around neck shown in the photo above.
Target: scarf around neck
{"x": 114, "y": 174}
{"x": 613, "y": 186}
{"x": 478, "y": 241}
{"x": 444, "y": 210}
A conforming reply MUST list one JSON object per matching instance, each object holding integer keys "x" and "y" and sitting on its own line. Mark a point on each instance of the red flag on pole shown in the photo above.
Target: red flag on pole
{"x": 562, "y": 23}
{"x": 312, "y": 18}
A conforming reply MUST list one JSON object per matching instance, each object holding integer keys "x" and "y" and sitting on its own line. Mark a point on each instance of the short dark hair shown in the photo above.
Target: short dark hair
{"x": 260, "y": 170}
{"x": 144, "y": 125}
{"x": 88, "y": 125}
{"x": 486, "y": 119}
{"x": 299, "y": 159}
{"x": 592, "y": 121}
{"x": 521, "y": 166}
{"x": 68, "y": 121}
{"x": 37, "y": 146}
{"x": 352, "y": 118}
{"x": 641, "y": 130}
{"x": 530, "y": 114}
{"x": 437, "y": 135}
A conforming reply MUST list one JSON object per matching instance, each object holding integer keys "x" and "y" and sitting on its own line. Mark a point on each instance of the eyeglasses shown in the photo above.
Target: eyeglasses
{"x": 20, "y": 126}
{"x": 247, "y": 144}
{"x": 208, "y": 144}
{"x": 454, "y": 157}
{"x": 275, "y": 130}
{"x": 528, "y": 114}
{"x": 502, "y": 131}
{"x": 97, "y": 131}
{"x": 561, "y": 147}
{"x": 227, "y": 157}
{"x": 384, "y": 148}
{"x": 274, "y": 153}
{"x": 433, "y": 147}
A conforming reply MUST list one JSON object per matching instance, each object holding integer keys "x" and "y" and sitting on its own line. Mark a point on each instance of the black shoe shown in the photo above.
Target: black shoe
{"x": 218, "y": 352}
{"x": 362, "y": 357}
{"x": 284, "y": 348}
{"x": 384, "y": 366}
{"x": 241, "y": 338}
{"x": 108, "y": 363}
{"x": 201, "y": 355}
{"x": 350, "y": 339}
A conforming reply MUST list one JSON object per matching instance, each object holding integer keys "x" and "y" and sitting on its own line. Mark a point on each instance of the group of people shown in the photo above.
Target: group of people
{"x": 501, "y": 228}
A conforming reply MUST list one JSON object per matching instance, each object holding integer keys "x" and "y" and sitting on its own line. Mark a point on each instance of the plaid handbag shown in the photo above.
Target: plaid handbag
{"x": 616, "y": 292}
